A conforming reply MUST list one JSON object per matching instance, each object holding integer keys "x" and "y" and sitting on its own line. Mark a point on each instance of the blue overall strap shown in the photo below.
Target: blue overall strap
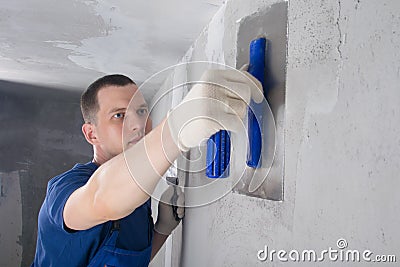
{"x": 110, "y": 255}
{"x": 112, "y": 240}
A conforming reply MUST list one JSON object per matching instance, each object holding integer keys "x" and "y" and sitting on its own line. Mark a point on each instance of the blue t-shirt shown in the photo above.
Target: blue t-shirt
{"x": 58, "y": 246}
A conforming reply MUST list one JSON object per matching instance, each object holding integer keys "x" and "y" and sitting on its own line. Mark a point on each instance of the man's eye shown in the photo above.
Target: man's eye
{"x": 119, "y": 115}
{"x": 142, "y": 111}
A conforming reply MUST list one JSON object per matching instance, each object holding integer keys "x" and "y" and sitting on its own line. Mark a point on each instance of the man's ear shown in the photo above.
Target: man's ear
{"x": 89, "y": 131}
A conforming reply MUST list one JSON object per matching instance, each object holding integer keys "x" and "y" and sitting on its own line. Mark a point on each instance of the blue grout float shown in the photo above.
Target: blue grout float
{"x": 219, "y": 145}
{"x": 256, "y": 111}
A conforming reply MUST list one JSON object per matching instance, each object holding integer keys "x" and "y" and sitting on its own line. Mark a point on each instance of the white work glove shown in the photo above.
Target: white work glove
{"x": 169, "y": 216}
{"x": 218, "y": 102}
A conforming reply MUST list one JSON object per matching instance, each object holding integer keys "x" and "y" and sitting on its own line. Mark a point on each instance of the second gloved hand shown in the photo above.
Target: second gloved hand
{"x": 219, "y": 101}
{"x": 169, "y": 215}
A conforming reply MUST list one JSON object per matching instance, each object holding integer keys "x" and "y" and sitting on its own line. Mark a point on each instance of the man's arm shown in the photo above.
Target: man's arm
{"x": 111, "y": 193}
{"x": 114, "y": 190}
{"x": 169, "y": 216}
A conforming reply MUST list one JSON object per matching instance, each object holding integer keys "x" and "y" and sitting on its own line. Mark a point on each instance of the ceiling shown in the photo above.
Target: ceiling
{"x": 69, "y": 44}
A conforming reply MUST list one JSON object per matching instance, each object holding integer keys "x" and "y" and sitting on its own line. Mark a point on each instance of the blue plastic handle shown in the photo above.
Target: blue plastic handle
{"x": 255, "y": 111}
{"x": 218, "y": 155}
{"x": 219, "y": 145}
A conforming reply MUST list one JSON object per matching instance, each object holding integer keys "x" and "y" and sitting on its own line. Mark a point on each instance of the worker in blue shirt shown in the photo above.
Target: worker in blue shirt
{"x": 98, "y": 213}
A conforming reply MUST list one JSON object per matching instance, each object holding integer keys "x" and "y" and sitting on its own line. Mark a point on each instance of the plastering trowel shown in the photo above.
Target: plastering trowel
{"x": 218, "y": 146}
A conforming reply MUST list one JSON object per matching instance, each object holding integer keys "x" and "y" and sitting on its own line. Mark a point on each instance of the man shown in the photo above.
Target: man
{"x": 98, "y": 213}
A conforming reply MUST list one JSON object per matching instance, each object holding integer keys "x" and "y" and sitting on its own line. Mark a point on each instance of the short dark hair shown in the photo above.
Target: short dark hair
{"x": 89, "y": 102}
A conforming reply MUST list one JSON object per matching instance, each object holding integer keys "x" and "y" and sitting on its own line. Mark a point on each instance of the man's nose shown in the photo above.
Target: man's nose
{"x": 135, "y": 123}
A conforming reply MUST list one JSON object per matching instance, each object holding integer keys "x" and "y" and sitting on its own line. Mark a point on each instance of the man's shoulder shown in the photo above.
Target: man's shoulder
{"x": 79, "y": 173}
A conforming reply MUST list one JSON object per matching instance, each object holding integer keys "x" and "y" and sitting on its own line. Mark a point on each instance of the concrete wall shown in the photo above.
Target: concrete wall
{"x": 40, "y": 137}
{"x": 341, "y": 138}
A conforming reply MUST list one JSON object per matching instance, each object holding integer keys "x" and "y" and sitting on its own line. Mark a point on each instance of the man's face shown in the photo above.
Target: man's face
{"x": 113, "y": 111}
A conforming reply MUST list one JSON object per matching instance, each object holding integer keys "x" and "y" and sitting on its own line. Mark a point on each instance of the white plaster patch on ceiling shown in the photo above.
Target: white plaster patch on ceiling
{"x": 140, "y": 45}
{"x": 117, "y": 50}
{"x": 70, "y": 43}
{"x": 26, "y": 27}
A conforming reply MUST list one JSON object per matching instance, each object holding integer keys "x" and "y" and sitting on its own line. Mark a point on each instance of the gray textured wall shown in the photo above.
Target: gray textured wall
{"x": 341, "y": 138}
{"x": 40, "y": 137}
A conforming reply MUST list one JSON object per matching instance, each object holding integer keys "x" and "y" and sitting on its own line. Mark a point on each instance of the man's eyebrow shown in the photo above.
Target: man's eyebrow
{"x": 144, "y": 105}
{"x": 117, "y": 109}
